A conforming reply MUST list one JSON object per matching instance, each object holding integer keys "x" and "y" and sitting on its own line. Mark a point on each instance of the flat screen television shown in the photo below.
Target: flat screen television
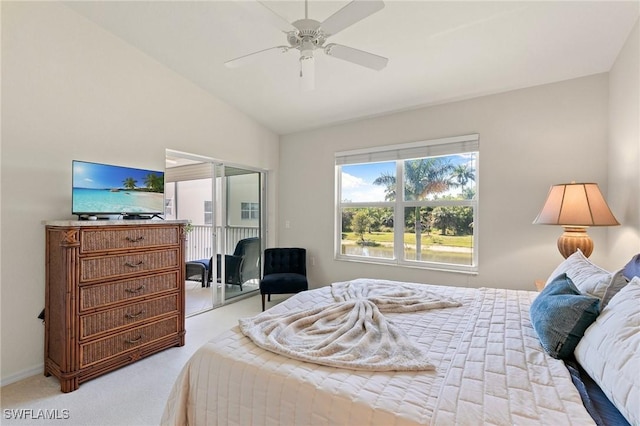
{"x": 105, "y": 189}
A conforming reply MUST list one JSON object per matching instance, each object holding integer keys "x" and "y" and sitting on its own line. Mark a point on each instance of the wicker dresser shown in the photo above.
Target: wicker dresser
{"x": 114, "y": 294}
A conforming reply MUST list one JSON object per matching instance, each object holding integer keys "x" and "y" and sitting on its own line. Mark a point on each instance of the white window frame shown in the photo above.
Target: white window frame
{"x": 251, "y": 210}
{"x": 399, "y": 153}
{"x": 208, "y": 212}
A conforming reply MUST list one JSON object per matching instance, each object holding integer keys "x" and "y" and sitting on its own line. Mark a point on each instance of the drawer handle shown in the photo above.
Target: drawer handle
{"x": 134, "y": 290}
{"x": 133, "y": 265}
{"x": 131, "y": 316}
{"x": 134, "y": 240}
{"x": 136, "y": 340}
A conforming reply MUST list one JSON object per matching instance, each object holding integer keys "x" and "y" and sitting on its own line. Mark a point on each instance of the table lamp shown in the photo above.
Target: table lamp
{"x": 575, "y": 206}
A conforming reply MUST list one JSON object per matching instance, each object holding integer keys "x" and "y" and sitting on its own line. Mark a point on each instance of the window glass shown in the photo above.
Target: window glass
{"x": 447, "y": 177}
{"x": 419, "y": 209}
{"x": 208, "y": 212}
{"x": 367, "y": 232}
{"x": 249, "y": 211}
{"x": 439, "y": 234}
{"x": 368, "y": 182}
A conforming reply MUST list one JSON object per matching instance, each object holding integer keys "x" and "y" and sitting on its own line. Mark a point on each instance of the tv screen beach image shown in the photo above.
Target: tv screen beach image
{"x": 108, "y": 189}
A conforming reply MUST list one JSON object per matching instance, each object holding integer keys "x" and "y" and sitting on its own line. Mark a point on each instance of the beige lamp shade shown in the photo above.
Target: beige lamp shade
{"x": 575, "y": 206}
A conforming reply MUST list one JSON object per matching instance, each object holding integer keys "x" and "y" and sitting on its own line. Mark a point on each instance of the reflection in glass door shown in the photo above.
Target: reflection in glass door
{"x": 238, "y": 231}
{"x": 224, "y": 244}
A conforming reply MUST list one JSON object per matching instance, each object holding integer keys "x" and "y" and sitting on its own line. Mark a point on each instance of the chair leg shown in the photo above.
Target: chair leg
{"x": 262, "y": 302}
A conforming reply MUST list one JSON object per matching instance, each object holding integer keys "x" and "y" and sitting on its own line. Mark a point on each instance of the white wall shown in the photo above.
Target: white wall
{"x": 70, "y": 90}
{"x": 529, "y": 140}
{"x": 624, "y": 151}
{"x": 191, "y": 195}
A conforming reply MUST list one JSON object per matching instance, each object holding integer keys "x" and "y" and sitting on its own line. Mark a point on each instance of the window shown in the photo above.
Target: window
{"x": 249, "y": 211}
{"x": 208, "y": 212}
{"x": 411, "y": 204}
{"x": 168, "y": 206}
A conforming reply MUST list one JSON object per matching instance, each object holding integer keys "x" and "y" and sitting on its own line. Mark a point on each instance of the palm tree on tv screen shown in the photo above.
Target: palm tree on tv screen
{"x": 129, "y": 183}
{"x": 154, "y": 182}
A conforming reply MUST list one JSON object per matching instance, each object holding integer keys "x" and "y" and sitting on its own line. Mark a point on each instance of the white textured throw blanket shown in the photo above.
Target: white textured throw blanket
{"x": 352, "y": 332}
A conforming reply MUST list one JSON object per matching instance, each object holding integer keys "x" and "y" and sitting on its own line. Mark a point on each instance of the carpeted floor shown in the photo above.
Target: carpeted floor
{"x": 133, "y": 395}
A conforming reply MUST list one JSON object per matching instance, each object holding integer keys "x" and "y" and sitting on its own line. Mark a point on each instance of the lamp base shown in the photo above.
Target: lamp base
{"x": 573, "y": 238}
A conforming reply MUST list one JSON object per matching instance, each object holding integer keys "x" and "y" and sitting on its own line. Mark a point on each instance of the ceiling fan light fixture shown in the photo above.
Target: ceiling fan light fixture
{"x": 306, "y": 49}
{"x": 307, "y": 73}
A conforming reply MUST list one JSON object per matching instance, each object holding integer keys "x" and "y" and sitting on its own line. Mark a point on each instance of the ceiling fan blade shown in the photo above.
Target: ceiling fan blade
{"x": 243, "y": 60}
{"x": 350, "y": 14}
{"x": 356, "y": 56}
{"x": 260, "y": 9}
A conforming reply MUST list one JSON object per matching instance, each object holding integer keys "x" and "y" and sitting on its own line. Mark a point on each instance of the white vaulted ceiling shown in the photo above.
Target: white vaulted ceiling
{"x": 438, "y": 51}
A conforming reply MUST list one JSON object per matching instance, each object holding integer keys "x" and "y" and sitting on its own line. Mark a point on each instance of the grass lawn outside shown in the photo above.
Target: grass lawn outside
{"x": 435, "y": 248}
{"x": 432, "y": 239}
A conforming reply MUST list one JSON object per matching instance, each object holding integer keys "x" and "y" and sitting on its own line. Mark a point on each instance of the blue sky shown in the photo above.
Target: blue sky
{"x": 100, "y": 176}
{"x": 357, "y": 179}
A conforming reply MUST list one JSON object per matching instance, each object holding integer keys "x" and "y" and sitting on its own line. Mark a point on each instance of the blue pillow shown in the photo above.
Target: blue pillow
{"x": 632, "y": 269}
{"x": 560, "y": 315}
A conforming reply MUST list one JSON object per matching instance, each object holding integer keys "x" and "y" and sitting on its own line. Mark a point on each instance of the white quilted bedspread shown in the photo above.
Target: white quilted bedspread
{"x": 501, "y": 376}
{"x": 490, "y": 369}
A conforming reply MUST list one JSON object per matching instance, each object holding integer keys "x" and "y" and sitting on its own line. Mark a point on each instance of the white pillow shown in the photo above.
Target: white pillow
{"x": 589, "y": 278}
{"x": 609, "y": 351}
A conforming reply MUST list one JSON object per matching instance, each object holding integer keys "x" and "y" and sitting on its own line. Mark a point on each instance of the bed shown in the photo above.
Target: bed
{"x": 489, "y": 363}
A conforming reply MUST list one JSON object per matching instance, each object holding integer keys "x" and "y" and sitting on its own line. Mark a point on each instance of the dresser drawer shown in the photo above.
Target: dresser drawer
{"x": 100, "y": 295}
{"x": 134, "y": 339}
{"x": 127, "y": 315}
{"x": 131, "y": 237}
{"x": 110, "y": 267}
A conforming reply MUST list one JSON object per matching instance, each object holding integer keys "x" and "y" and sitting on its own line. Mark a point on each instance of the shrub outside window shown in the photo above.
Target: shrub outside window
{"x": 411, "y": 204}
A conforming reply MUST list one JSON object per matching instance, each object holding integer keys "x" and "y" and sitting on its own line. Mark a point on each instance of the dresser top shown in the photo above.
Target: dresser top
{"x": 81, "y": 223}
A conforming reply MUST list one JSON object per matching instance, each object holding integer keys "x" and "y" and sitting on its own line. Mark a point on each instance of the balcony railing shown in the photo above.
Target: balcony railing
{"x": 199, "y": 240}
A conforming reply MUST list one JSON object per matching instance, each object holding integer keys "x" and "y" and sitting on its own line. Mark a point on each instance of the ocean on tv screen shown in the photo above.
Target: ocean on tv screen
{"x": 114, "y": 201}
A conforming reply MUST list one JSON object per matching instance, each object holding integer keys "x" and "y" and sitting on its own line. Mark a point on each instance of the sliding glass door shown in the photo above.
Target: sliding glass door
{"x": 239, "y": 230}
{"x": 224, "y": 204}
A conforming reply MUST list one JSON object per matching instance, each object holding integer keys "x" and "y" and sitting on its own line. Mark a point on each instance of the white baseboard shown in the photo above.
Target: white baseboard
{"x": 39, "y": 369}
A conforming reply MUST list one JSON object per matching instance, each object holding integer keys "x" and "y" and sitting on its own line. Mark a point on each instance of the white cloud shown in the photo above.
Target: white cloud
{"x": 357, "y": 189}
{"x": 351, "y": 182}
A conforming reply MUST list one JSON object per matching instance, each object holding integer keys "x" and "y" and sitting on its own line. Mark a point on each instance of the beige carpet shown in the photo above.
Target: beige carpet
{"x": 133, "y": 395}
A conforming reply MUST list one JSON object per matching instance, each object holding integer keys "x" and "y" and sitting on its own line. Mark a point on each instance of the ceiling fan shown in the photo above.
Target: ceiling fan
{"x": 308, "y": 35}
